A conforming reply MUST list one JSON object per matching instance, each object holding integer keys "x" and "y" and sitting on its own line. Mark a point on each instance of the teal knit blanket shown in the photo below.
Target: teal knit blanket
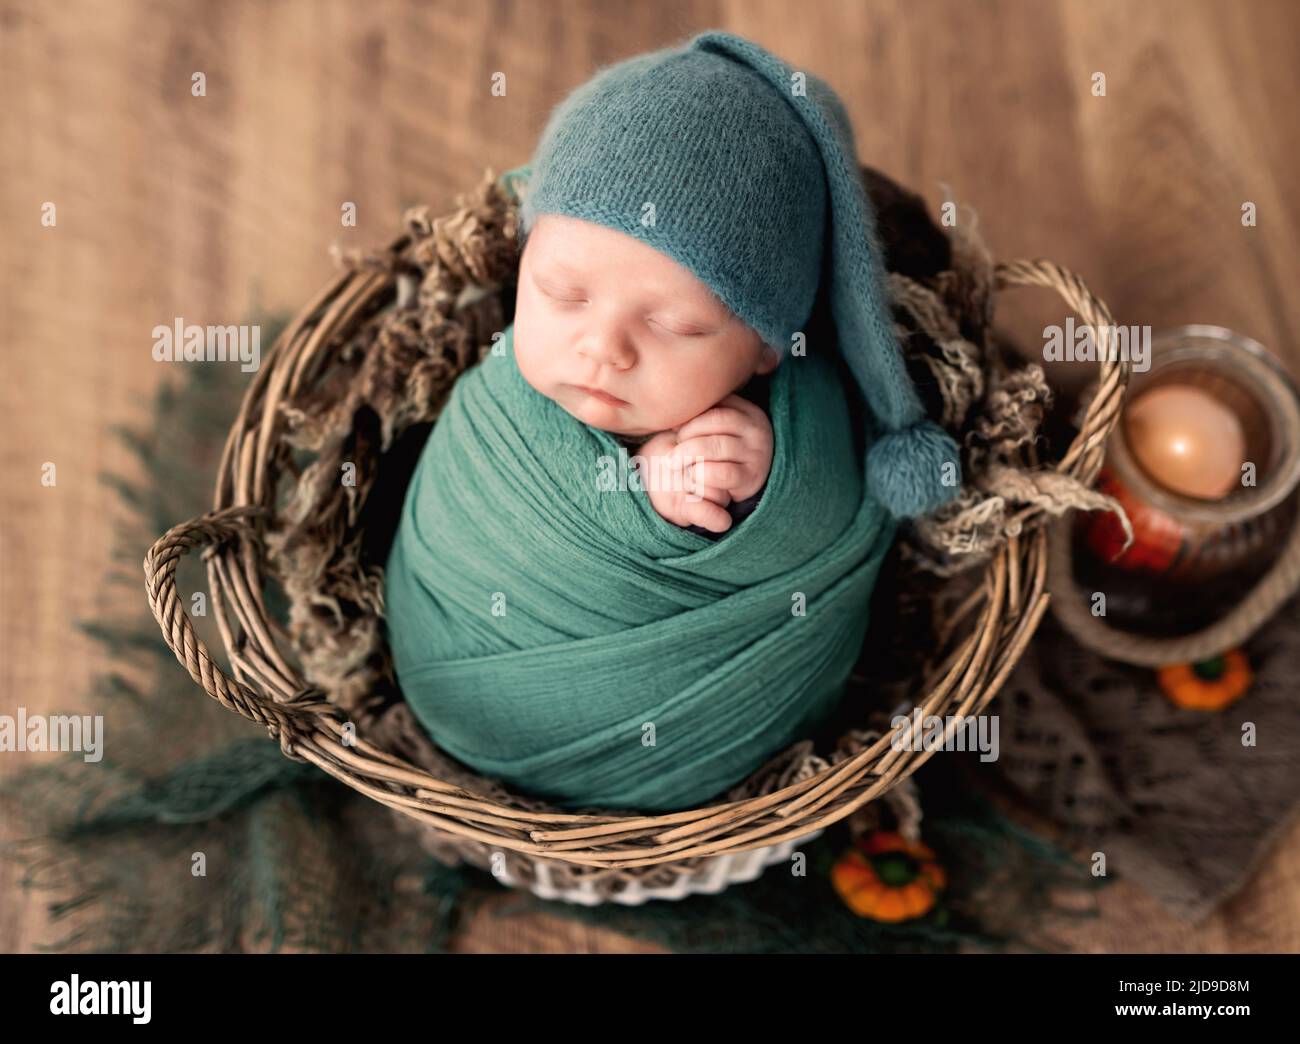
{"x": 551, "y": 630}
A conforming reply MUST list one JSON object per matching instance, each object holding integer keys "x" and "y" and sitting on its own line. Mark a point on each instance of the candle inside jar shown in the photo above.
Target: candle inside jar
{"x": 1187, "y": 440}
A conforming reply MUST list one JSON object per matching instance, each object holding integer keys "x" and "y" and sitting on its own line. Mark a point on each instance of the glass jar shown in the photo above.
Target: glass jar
{"x": 1183, "y": 542}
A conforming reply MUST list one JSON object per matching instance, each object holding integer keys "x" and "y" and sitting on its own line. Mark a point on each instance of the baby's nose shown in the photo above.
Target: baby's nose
{"x": 609, "y": 350}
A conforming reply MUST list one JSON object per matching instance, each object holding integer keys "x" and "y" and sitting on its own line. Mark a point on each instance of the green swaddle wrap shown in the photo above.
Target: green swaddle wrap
{"x": 559, "y": 635}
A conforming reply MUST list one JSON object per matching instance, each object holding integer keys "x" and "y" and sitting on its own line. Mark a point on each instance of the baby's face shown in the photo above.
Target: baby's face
{"x": 598, "y": 310}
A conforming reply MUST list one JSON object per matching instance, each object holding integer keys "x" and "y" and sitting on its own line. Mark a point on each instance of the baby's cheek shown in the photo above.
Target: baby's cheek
{"x": 532, "y": 368}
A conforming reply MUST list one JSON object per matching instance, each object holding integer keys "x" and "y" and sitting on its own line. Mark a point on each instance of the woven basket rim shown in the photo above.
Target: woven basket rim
{"x": 264, "y": 687}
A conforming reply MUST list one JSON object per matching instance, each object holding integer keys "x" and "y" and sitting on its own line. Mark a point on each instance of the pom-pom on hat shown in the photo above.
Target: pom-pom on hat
{"x": 739, "y": 168}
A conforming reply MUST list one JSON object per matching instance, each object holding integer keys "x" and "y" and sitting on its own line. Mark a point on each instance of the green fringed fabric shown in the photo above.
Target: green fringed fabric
{"x": 194, "y": 833}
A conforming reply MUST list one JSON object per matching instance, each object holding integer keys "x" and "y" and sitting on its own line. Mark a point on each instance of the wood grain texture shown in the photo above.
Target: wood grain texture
{"x": 216, "y": 208}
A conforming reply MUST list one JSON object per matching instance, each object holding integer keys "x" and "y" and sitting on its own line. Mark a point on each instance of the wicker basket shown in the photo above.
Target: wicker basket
{"x": 581, "y": 857}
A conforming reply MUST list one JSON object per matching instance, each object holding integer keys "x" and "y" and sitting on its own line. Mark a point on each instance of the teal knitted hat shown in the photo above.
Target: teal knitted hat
{"x": 737, "y": 167}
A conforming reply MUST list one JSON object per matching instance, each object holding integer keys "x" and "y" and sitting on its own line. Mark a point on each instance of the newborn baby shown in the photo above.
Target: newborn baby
{"x": 683, "y": 213}
{"x": 629, "y": 341}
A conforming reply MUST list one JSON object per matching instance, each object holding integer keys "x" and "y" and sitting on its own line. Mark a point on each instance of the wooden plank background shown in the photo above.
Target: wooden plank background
{"x": 209, "y": 208}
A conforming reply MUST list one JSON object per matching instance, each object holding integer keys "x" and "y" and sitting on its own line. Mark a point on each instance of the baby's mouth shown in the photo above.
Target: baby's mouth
{"x": 603, "y": 396}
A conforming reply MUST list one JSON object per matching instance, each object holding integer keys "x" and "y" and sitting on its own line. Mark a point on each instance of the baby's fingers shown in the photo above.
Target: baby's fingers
{"x": 705, "y": 513}
{"x": 697, "y": 487}
{"x": 722, "y": 474}
{"x": 711, "y": 447}
{"x": 694, "y": 491}
{"x": 733, "y": 414}
{"x": 676, "y": 476}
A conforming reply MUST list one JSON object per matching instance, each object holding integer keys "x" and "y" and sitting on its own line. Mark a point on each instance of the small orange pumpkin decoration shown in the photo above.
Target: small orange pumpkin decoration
{"x": 886, "y": 877}
{"x": 1210, "y": 684}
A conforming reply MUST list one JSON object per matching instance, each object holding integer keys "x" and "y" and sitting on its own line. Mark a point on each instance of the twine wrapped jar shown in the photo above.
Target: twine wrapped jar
{"x": 1185, "y": 539}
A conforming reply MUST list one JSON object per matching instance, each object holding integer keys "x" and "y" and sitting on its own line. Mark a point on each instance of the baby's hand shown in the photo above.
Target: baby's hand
{"x": 727, "y": 454}
{"x": 727, "y": 449}
{"x": 666, "y": 487}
